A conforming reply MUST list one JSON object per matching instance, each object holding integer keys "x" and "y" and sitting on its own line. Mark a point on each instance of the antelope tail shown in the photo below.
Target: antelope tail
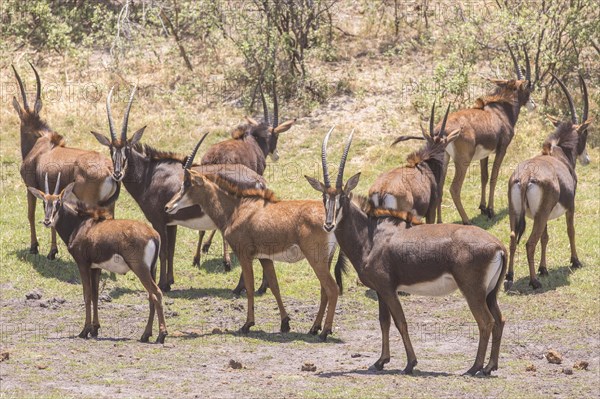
{"x": 341, "y": 267}
{"x": 520, "y": 226}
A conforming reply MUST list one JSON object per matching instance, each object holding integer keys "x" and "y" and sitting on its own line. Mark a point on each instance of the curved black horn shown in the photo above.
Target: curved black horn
{"x": 190, "y": 159}
{"x": 22, "y": 87}
{"x": 264, "y": 105}
{"x": 324, "y": 159}
{"x": 527, "y": 66}
{"x": 431, "y": 124}
{"x": 46, "y": 188}
{"x": 57, "y": 184}
{"x": 443, "y": 128}
{"x": 584, "y": 115}
{"x": 569, "y": 98}
{"x": 275, "y": 107}
{"x": 38, "y": 84}
{"x": 515, "y": 62}
{"x": 340, "y": 176}
{"x": 111, "y": 123}
{"x": 126, "y": 116}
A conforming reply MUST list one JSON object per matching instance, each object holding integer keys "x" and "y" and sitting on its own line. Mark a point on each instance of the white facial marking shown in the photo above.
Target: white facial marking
{"x": 584, "y": 158}
{"x": 530, "y": 105}
{"x": 115, "y": 264}
{"x": 443, "y": 285}
{"x": 292, "y": 254}
{"x": 493, "y": 272}
{"x": 201, "y": 223}
{"x": 149, "y": 253}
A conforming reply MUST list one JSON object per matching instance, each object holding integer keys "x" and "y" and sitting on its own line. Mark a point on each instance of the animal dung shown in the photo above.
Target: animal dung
{"x": 554, "y": 357}
{"x": 309, "y": 367}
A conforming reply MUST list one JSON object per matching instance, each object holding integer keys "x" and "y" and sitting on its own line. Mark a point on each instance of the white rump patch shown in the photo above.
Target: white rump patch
{"x": 390, "y": 202}
{"x": 201, "y": 223}
{"x": 557, "y": 211}
{"x": 443, "y": 285}
{"x": 292, "y": 254}
{"x": 534, "y": 199}
{"x": 107, "y": 188}
{"x": 115, "y": 264}
{"x": 493, "y": 272}
{"x": 149, "y": 253}
{"x": 515, "y": 198}
{"x": 375, "y": 200}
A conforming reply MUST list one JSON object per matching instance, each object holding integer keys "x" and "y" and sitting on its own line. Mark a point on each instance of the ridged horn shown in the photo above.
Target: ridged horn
{"x": 569, "y": 98}
{"x": 111, "y": 123}
{"x": 57, "y": 187}
{"x": 515, "y": 62}
{"x": 340, "y": 177}
{"x": 22, "y": 87}
{"x": 190, "y": 159}
{"x": 126, "y": 116}
{"x": 326, "y": 179}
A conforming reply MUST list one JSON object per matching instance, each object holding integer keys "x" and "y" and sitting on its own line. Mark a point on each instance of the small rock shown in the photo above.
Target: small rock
{"x": 169, "y": 301}
{"x": 355, "y": 355}
{"x": 41, "y": 366}
{"x": 235, "y": 365}
{"x": 59, "y": 301}
{"x": 35, "y": 294}
{"x": 309, "y": 367}
{"x": 581, "y": 365}
{"x": 43, "y": 304}
{"x": 554, "y": 357}
{"x": 567, "y": 370}
{"x": 105, "y": 298}
{"x": 217, "y": 331}
{"x": 530, "y": 367}
{"x": 4, "y": 356}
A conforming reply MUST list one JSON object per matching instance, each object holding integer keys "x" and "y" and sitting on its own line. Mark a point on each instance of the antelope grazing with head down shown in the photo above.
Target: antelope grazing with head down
{"x": 96, "y": 242}
{"x": 250, "y": 144}
{"x": 415, "y": 187}
{"x": 153, "y": 177}
{"x": 543, "y": 188}
{"x": 45, "y": 156}
{"x": 390, "y": 256}
{"x": 259, "y": 226}
{"x": 486, "y": 128}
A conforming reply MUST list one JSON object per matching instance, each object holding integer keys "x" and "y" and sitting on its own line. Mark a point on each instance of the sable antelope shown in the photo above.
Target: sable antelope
{"x": 259, "y": 226}
{"x": 96, "y": 241}
{"x": 44, "y": 153}
{"x": 415, "y": 187}
{"x": 389, "y": 255}
{"x": 153, "y": 177}
{"x": 486, "y": 128}
{"x": 250, "y": 144}
{"x": 543, "y": 188}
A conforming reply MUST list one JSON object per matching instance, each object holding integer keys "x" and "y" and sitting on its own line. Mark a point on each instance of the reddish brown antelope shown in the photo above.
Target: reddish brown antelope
{"x": 259, "y": 226}
{"x": 250, "y": 144}
{"x": 44, "y": 153}
{"x": 389, "y": 256}
{"x": 153, "y": 177}
{"x": 543, "y": 188}
{"x": 96, "y": 242}
{"x": 486, "y": 128}
{"x": 415, "y": 187}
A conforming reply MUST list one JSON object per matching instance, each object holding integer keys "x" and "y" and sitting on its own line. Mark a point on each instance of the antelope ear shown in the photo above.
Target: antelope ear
{"x": 583, "y": 127}
{"x": 554, "y": 120}
{"x": 70, "y": 207}
{"x": 102, "y": 139}
{"x": 68, "y": 192}
{"x": 197, "y": 178}
{"x": 317, "y": 185}
{"x": 499, "y": 82}
{"x": 251, "y": 121}
{"x": 453, "y": 135}
{"x": 284, "y": 127}
{"x": 351, "y": 183}
{"x": 425, "y": 133}
{"x": 18, "y": 107}
{"x": 37, "y": 107}
{"x": 137, "y": 136}
{"x": 37, "y": 193}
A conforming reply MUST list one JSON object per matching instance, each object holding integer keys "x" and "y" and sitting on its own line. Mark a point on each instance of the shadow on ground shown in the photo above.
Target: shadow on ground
{"x": 557, "y": 277}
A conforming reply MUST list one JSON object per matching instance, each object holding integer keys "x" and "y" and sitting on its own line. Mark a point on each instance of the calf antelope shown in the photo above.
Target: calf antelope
{"x": 153, "y": 177}
{"x": 97, "y": 241}
{"x": 486, "y": 128}
{"x": 259, "y": 226}
{"x": 543, "y": 188}
{"x": 45, "y": 154}
{"x": 389, "y": 255}
{"x": 415, "y": 187}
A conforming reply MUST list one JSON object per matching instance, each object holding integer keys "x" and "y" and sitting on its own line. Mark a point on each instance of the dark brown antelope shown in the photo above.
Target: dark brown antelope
{"x": 259, "y": 226}
{"x": 45, "y": 154}
{"x": 250, "y": 144}
{"x": 415, "y": 187}
{"x": 486, "y": 128}
{"x": 153, "y": 177}
{"x": 96, "y": 241}
{"x": 390, "y": 256}
{"x": 543, "y": 188}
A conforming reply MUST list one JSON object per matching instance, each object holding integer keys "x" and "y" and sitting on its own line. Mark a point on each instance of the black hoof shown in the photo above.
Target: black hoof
{"x": 483, "y": 209}
{"x": 575, "y": 263}
{"x": 285, "y": 325}
{"x": 473, "y": 370}
{"x": 161, "y": 337}
{"x": 94, "y": 332}
{"x": 85, "y": 332}
{"x": 543, "y": 271}
{"x": 378, "y": 365}
{"x": 227, "y": 265}
{"x": 490, "y": 213}
{"x": 261, "y": 290}
{"x": 205, "y": 248}
{"x": 488, "y": 370}
{"x": 246, "y": 327}
{"x": 164, "y": 287}
{"x": 324, "y": 334}
{"x": 409, "y": 367}
{"x": 508, "y": 285}
{"x": 237, "y": 291}
{"x": 314, "y": 330}
{"x": 146, "y": 337}
{"x": 196, "y": 261}
{"x": 52, "y": 254}
{"x": 535, "y": 284}
{"x": 34, "y": 249}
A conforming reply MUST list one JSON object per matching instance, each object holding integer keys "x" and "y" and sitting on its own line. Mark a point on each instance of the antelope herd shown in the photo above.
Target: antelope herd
{"x": 381, "y": 234}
